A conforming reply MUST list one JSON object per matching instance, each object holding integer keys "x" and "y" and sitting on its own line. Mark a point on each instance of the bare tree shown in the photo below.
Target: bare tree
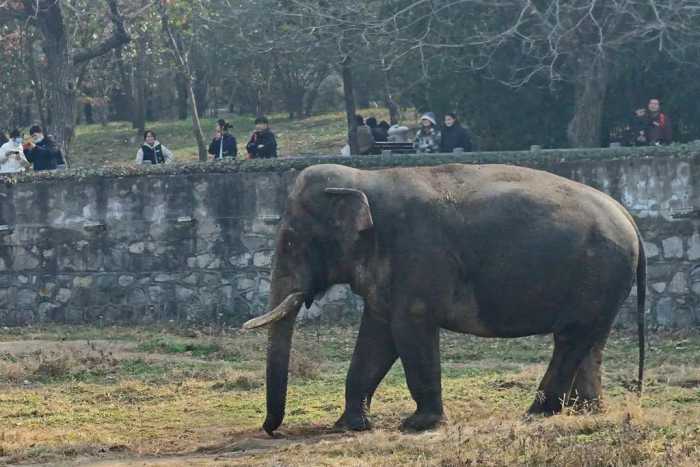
{"x": 182, "y": 56}
{"x": 62, "y": 58}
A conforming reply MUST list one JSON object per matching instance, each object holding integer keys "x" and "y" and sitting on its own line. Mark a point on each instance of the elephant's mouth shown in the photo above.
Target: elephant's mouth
{"x": 291, "y": 304}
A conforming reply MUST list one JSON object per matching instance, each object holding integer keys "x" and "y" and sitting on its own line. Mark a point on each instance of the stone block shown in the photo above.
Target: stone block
{"x": 263, "y": 259}
{"x": 83, "y": 282}
{"x": 26, "y": 298}
{"x": 694, "y": 247}
{"x": 679, "y": 284}
{"x": 673, "y": 247}
{"x": 125, "y": 281}
{"x": 137, "y": 248}
{"x": 651, "y": 250}
{"x": 64, "y": 295}
{"x": 241, "y": 261}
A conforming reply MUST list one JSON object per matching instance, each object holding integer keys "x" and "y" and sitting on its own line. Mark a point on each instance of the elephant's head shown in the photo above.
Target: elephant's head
{"x": 326, "y": 229}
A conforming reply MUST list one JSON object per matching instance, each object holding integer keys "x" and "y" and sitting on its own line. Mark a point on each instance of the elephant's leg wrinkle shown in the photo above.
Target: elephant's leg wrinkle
{"x": 555, "y": 387}
{"x": 418, "y": 344}
{"x": 372, "y": 358}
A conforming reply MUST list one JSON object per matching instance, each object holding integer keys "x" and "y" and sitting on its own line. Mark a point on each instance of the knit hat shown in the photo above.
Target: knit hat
{"x": 430, "y": 117}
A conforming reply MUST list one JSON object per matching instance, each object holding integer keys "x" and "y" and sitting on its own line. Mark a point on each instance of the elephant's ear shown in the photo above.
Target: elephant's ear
{"x": 352, "y": 208}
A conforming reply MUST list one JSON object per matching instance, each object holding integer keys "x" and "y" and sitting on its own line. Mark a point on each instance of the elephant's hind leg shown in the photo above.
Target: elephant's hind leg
{"x": 374, "y": 355}
{"x": 570, "y": 349}
{"x": 587, "y": 391}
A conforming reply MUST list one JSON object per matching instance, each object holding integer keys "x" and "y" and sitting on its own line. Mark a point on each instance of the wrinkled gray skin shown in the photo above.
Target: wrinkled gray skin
{"x": 492, "y": 250}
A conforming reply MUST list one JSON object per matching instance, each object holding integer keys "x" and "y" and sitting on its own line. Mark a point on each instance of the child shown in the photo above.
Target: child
{"x": 262, "y": 144}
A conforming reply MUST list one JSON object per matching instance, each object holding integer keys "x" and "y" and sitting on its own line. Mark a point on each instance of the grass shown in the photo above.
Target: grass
{"x": 117, "y": 143}
{"x": 159, "y": 396}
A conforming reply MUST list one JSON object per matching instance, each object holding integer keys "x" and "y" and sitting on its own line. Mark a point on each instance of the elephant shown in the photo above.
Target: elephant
{"x": 490, "y": 250}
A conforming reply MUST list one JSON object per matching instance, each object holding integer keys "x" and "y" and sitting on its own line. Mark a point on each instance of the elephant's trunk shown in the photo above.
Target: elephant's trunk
{"x": 285, "y": 304}
{"x": 278, "y": 349}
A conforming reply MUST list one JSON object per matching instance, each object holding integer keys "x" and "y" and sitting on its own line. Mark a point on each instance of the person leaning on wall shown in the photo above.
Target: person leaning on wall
{"x": 224, "y": 144}
{"x": 42, "y": 151}
{"x": 152, "y": 152}
{"x": 12, "y": 158}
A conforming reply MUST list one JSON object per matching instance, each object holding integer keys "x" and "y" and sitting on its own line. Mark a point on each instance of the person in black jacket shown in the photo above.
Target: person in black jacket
{"x": 378, "y": 132}
{"x": 224, "y": 144}
{"x": 42, "y": 151}
{"x": 262, "y": 144}
{"x": 454, "y": 135}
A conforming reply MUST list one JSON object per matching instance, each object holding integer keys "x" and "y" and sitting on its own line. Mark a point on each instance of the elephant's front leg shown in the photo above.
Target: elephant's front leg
{"x": 374, "y": 355}
{"x": 418, "y": 342}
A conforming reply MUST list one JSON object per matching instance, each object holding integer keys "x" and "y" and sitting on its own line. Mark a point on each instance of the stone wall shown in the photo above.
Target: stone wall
{"x": 194, "y": 243}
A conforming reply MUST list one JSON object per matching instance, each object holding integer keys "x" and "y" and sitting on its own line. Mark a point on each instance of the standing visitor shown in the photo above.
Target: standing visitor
{"x": 152, "y": 152}
{"x": 454, "y": 135}
{"x": 428, "y": 137}
{"x": 12, "y": 158}
{"x": 262, "y": 144}
{"x": 224, "y": 144}
{"x": 42, "y": 151}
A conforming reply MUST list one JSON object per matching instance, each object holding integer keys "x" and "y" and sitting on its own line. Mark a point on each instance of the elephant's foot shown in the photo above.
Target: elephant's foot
{"x": 421, "y": 421}
{"x": 353, "y": 422}
{"x": 545, "y": 404}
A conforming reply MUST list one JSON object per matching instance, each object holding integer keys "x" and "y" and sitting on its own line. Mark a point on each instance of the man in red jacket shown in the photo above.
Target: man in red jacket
{"x": 659, "y": 129}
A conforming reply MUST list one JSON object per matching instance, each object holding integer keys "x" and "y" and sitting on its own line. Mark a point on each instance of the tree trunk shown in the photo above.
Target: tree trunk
{"x": 127, "y": 89}
{"x": 350, "y": 111}
{"x": 589, "y": 100}
{"x": 61, "y": 86}
{"x": 182, "y": 105}
{"x": 139, "y": 119}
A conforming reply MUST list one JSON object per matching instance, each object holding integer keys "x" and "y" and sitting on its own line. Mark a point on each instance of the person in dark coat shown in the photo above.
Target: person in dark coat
{"x": 659, "y": 129}
{"x": 378, "y": 132}
{"x": 262, "y": 144}
{"x": 152, "y": 152}
{"x": 454, "y": 135}
{"x": 42, "y": 151}
{"x": 224, "y": 144}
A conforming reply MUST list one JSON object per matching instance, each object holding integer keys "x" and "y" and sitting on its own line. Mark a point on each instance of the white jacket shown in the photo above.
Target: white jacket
{"x": 12, "y": 158}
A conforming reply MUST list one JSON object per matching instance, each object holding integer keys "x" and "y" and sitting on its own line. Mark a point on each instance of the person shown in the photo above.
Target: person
{"x": 12, "y": 158}
{"x": 659, "y": 127}
{"x": 428, "y": 137}
{"x": 454, "y": 135}
{"x": 152, "y": 152}
{"x": 365, "y": 140}
{"x": 42, "y": 151}
{"x": 379, "y": 133}
{"x": 637, "y": 129}
{"x": 262, "y": 144}
{"x": 224, "y": 143}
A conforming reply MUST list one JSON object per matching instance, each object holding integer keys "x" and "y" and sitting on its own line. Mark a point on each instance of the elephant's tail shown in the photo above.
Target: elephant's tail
{"x": 641, "y": 301}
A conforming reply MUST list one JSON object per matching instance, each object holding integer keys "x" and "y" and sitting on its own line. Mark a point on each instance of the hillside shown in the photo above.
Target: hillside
{"x": 117, "y": 143}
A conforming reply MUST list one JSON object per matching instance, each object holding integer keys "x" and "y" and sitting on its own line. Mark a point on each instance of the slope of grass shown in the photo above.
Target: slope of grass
{"x": 117, "y": 143}
{"x": 151, "y": 396}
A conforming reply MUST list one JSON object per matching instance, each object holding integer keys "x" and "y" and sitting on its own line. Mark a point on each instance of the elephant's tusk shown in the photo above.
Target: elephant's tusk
{"x": 291, "y": 303}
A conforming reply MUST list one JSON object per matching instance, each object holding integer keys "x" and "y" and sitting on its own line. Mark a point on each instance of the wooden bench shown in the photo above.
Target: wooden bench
{"x": 394, "y": 148}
